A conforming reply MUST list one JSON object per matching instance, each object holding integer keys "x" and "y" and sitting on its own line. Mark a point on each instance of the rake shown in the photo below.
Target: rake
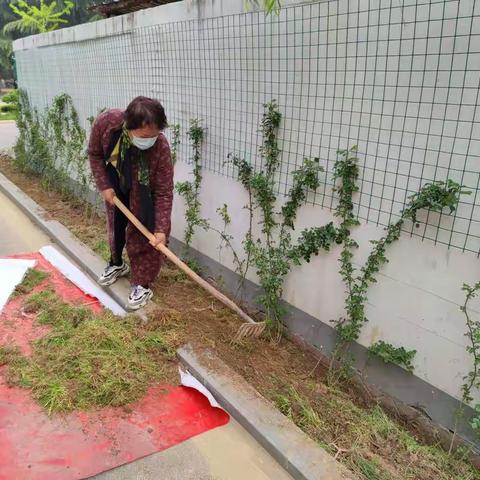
{"x": 249, "y": 329}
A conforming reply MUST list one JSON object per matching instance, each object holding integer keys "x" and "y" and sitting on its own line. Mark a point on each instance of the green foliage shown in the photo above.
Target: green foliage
{"x": 473, "y": 335}
{"x": 8, "y": 116}
{"x": 190, "y": 190}
{"x": 11, "y": 97}
{"x": 8, "y": 354}
{"x": 6, "y": 14}
{"x": 368, "y": 469}
{"x": 91, "y": 119}
{"x": 346, "y": 173}
{"x": 175, "y": 142}
{"x": 270, "y": 6}
{"x": 390, "y": 354}
{"x": 366, "y": 440}
{"x": 475, "y": 423}
{"x": 433, "y": 196}
{"x": 8, "y": 110}
{"x": 312, "y": 241}
{"x": 304, "y": 179}
{"x": 268, "y": 127}
{"x": 31, "y": 149}
{"x": 52, "y": 146}
{"x": 472, "y": 379}
{"x": 103, "y": 249}
{"x": 6, "y": 55}
{"x": 37, "y": 19}
{"x": 32, "y": 279}
{"x": 194, "y": 265}
{"x": 80, "y": 12}
{"x": 67, "y": 139}
{"x": 346, "y": 170}
{"x": 225, "y": 238}
{"x": 224, "y": 215}
{"x": 275, "y": 253}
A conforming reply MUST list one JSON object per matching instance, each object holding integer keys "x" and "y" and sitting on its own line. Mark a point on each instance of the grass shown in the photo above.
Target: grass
{"x": 102, "y": 248}
{"x": 363, "y": 438}
{"x": 32, "y": 279}
{"x": 8, "y": 116}
{"x": 369, "y": 469}
{"x": 89, "y": 360}
{"x": 194, "y": 265}
{"x": 8, "y": 354}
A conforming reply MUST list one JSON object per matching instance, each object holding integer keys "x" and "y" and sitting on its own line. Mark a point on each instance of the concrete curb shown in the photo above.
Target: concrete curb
{"x": 293, "y": 449}
{"x": 88, "y": 261}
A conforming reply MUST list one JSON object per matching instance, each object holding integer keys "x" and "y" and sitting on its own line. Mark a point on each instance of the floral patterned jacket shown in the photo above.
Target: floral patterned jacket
{"x": 160, "y": 167}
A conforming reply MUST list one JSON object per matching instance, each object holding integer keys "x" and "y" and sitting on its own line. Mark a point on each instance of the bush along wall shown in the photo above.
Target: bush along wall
{"x": 52, "y": 146}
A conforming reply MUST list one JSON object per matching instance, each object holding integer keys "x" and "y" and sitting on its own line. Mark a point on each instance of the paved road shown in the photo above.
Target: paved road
{"x": 225, "y": 453}
{"x": 8, "y": 134}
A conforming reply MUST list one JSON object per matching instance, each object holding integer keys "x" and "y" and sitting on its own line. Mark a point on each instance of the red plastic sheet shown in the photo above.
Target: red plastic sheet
{"x": 34, "y": 446}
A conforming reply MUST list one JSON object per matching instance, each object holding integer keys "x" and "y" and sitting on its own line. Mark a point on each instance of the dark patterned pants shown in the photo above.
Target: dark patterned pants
{"x": 145, "y": 261}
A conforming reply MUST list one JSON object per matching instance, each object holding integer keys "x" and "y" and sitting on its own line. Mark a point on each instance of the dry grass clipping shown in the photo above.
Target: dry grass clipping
{"x": 89, "y": 360}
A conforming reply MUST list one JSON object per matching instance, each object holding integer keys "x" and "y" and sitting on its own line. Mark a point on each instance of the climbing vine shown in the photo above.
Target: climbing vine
{"x": 275, "y": 252}
{"x": 390, "y": 354}
{"x": 226, "y": 240}
{"x": 434, "y": 196}
{"x": 67, "y": 139}
{"x": 52, "y": 146}
{"x": 472, "y": 379}
{"x": 190, "y": 190}
{"x": 270, "y": 6}
{"x": 175, "y": 142}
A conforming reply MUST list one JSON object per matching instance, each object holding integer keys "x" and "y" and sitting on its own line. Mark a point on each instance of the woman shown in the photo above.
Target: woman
{"x": 130, "y": 158}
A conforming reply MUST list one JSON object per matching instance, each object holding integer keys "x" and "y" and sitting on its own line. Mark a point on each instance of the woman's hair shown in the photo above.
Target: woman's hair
{"x": 144, "y": 111}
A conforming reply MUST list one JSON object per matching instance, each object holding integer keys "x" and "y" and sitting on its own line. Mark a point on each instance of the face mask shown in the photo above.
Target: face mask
{"x": 144, "y": 143}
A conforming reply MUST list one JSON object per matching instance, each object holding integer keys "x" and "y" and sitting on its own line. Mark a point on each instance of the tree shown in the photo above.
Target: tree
{"x": 37, "y": 19}
{"x": 72, "y": 15}
{"x": 80, "y": 13}
{"x": 5, "y": 57}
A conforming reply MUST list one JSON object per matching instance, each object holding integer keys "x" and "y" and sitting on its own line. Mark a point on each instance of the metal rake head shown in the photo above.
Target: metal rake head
{"x": 250, "y": 330}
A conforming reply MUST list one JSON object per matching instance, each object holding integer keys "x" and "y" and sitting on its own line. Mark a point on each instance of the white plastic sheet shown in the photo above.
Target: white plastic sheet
{"x": 77, "y": 277}
{"x": 188, "y": 380}
{"x": 12, "y": 272}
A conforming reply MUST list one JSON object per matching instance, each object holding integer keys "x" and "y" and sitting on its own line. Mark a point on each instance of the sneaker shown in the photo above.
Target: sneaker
{"x": 139, "y": 296}
{"x": 112, "y": 273}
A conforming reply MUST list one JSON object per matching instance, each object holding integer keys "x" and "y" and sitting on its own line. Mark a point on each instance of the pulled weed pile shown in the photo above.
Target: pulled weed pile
{"x": 88, "y": 360}
{"x": 33, "y": 278}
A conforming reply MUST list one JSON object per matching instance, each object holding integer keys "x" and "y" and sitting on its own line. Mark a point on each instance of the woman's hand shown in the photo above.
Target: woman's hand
{"x": 108, "y": 195}
{"x": 160, "y": 238}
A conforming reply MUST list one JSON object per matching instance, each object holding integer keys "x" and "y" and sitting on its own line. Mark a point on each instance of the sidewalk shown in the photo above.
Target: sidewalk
{"x": 8, "y": 134}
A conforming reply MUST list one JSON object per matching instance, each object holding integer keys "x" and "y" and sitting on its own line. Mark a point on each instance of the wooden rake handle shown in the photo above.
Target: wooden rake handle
{"x": 181, "y": 265}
